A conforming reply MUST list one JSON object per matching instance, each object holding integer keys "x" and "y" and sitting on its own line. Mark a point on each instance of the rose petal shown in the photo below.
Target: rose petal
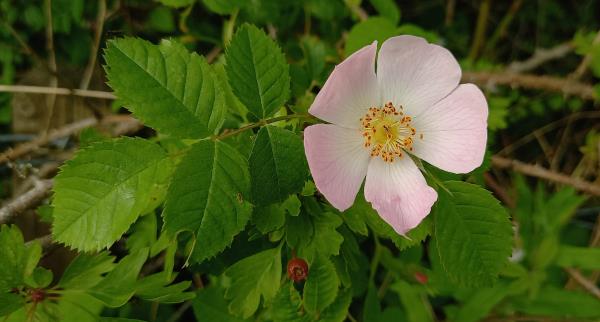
{"x": 338, "y": 162}
{"x": 414, "y": 73}
{"x": 454, "y": 131}
{"x": 349, "y": 91}
{"x": 399, "y": 193}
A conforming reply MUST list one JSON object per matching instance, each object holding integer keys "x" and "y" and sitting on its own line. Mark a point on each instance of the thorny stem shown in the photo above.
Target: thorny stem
{"x": 259, "y": 124}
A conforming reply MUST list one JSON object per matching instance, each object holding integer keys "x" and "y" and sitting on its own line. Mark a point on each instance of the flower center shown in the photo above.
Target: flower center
{"x": 387, "y": 132}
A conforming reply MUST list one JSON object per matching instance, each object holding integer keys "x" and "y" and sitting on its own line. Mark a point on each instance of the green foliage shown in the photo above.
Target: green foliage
{"x": 210, "y": 305}
{"x": 18, "y": 260}
{"x": 209, "y": 200}
{"x": 252, "y": 278}
{"x": 277, "y": 168}
{"x": 472, "y": 232}
{"x": 257, "y": 71}
{"x": 364, "y": 33}
{"x": 168, "y": 88}
{"x": 106, "y": 174}
{"x": 321, "y": 286}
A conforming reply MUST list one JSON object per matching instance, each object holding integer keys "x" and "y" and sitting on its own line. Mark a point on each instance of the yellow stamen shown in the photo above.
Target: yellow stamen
{"x": 388, "y": 132}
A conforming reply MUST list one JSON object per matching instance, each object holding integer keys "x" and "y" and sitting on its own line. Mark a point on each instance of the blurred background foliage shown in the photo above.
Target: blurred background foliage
{"x": 550, "y": 119}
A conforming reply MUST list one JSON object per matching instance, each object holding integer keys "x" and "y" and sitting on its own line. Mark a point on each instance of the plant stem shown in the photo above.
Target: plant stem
{"x": 375, "y": 260}
{"x": 260, "y": 123}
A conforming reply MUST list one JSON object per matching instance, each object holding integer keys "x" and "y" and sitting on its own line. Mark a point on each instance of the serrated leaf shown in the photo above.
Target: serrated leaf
{"x": 287, "y": 305}
{"x": 321, "y": 286}
{"x": 252, "y": 278}
{"x": 17, "y": 261}
{"x": 156, "y": 288}
{"x": 314, "y": 235}
{"x": 165, "y": 86}
{"x": 277, "y": 165}
{"x": 473, "y": 233}
{"x": 102, "y": 191}
{"x": 86, "y": 270}
{"x": 257, "y": 71}
{"x": 118, "y": 286}
{"x": 210, "y": 306}
{"x": 209, "y": 196}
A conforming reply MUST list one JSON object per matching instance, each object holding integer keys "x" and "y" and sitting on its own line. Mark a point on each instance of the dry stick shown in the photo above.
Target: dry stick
{"x": 57, "y": 91}
{"x": 65, "y": 131}
{"x": 540, "y": 57}
{"x": 89, "y": 70}
{"x": 549, "y": 83}
{"x": 478, "y": 37}
{"x": 25, "y": 201}
{"x": 50, "y": 99}
{"x": 543, "y": 173}
{"x": 587, "y": 284}
{"x": 500, "y": 32}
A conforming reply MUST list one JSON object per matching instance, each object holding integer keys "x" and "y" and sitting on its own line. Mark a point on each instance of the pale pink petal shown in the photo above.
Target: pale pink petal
{"x": 454, "y": 131}
{"x": 349, "y": 91}
{"x": 399, "y": 193}
{"x": 338, "y": 162}
{"x": 414, "y": 73}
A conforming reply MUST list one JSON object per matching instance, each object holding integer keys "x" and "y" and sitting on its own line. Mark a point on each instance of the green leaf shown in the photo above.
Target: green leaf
{"x": 177, "y": 3}
{"x": 277, "y": 165}
{"x": 156, "y": 288}
{"x": 287, "y": 305}
{"x": 208, "y": 196}
{"x": 314, "y": 235}
{"x": 40, "y": 278}
{"x": 580, "y": 257}
{"x": 223, "y": 7}
{"x": 168, "y": 88}
{"x": 119, "y": 285}
{"x": 364, "y": 33}
{"x": 253, "y": 277}
{"x": 210, "y": 306}
{"x": 86, "y": 270}
{"x": 102, "y": 191}
{"x": 558, "y": 302}
{"x": 481, "y": 301}
{"x": 388, "y": 9}
{"x": 268, "y": 218}
{"x": 338, "y": 310}
{"x": 10, "y": 302}
{"x": 473, "y": 233}
{"x": 142, "y": 233}
{"x": 414, "y": 301}
{"x": 257, "y": 71}
{"x": 321, "y": 286}
{"x": 17, "y": 261}
{"x": 372, "y": 306}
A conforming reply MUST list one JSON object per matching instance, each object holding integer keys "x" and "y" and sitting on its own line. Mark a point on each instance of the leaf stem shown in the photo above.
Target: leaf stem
{"x": 375, "y": 260}
{"x": 227, "y": 134}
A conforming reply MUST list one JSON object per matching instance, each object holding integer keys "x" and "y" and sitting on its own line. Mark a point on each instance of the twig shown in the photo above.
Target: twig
{"x": 357, "y": 10}
{"x": 450, "y": 9}
{"x": 500, "y": 31}
{"x": 180, "y": 311}
{"x": 549, "y": 83}
{"x": 50, "y": 99}
{"x": 478, "y": 37}
{"x": 213, "y": 54}
{"x": 260, "y": 123}
{"x": 68, "y": 130}
{"x": 543, "y": 173}
{"x": 57, "y": 91}
{"x": 89, "y": 70}
{"x": 583, "y": 281}
{"x": 25, "y": 201}
{"x": 540, "y": 57}
{"x": 587, "y": 59}
{"x": 28, "y": 50}
{"x": 499, "y": 190}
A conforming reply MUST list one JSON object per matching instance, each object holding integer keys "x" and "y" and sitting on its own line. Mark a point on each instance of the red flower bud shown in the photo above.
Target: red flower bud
{"x": 297, "y": 269}
{"x": 421, "y": 277}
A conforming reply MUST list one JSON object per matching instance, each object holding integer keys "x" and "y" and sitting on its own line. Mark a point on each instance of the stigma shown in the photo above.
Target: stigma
{"x": 388, "y": 132}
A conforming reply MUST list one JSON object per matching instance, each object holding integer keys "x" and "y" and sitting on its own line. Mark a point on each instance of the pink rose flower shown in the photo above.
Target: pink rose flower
{"x": 412, "y": 107}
